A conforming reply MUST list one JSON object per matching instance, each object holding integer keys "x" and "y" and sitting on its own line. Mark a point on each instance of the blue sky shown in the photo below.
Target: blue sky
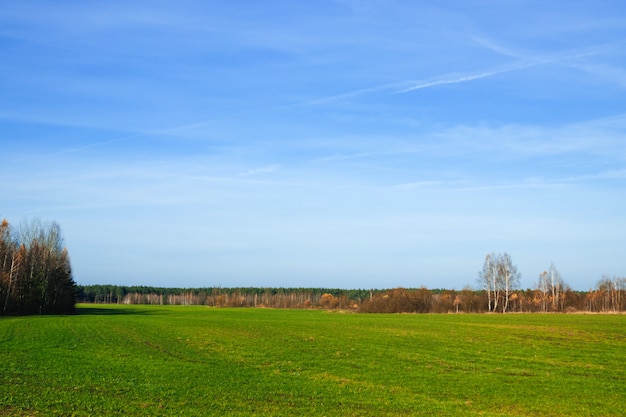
{"x": 352, "y": 144}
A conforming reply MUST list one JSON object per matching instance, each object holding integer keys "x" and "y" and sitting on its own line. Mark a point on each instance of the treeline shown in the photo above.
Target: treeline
{"x": 609, "y": 296}
{"x": 226, "y": 297}
{"x": 36, "y": 278}
{"x": 35, "y": 271}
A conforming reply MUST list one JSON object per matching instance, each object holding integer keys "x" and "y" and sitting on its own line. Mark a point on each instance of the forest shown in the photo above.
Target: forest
{"x": 607, "y": 297}
{"x": 498, "y": 281}
{"x": 36, "y": 278}
{"x": 35, "y": 271}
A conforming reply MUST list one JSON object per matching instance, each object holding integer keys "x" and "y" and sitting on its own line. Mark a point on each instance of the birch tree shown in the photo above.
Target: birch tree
{"x": 611, "y": 291}
{"x": 491, "y": 281}
{"x": 485, "y": 278}
{"x": 543, "y": 286}
{"x": 509, "y": 276}
{"x": 552, "y": 289}
{"x": 8, "y": 264}
{"x": 557, "y": 287}
{"x": 35, "y": 271}
{"x": 499, "y": 277}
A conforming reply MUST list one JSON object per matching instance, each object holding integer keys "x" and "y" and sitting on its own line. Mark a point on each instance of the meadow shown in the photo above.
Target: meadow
{"x": 199, "y": 361}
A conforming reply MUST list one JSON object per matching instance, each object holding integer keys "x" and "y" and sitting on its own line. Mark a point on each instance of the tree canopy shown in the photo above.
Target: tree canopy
{"x": 35, "y": 271}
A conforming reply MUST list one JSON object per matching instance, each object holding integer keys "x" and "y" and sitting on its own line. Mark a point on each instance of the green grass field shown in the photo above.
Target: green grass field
{"x": 197, "y": 361}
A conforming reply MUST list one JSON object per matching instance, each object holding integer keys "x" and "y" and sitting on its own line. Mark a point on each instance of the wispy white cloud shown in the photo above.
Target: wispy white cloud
{"x": 598, "y": 138}
{"x": 262, "y": 170}
{"x": 348, "y": 156}
{"x": 603, "y": 136}
{"x": 156, "y": 132}
{"x": 615, "y": 174}
{"x": 430, "y": 184}
{"x": 541, "y": 57}
{"x": 522, "y": 61}
{"x": 604, "y": 72}
{"x": 111, "y": 88}
{"x": 408, "y": 86}
{"x": 355, "y": 93}
{"x": 461, "y": 78}
{"x": 498, "y": 47}
{"x": 47, "y": 119}
{"x": 576, "y": 59}
{"x": 534, "y": 182}
{"x": 529, "y": 183}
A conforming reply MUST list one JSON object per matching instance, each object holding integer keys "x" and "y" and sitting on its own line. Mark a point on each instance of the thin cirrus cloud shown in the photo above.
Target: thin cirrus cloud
{"x": 313, "y": 145}
{"x": 261, "y": 170}
{"x": 575, "y": 59}
{"x": 177, "y": 130}
{"x": 522, "y": 62}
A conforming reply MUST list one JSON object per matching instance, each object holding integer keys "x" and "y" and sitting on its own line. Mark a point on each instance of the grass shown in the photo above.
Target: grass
{"x": 197, "y": 361}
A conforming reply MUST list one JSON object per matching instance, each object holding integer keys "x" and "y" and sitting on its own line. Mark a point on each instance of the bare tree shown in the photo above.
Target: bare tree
{"x": 8, "y": 264}
{"x": 610, "y": 290}
{"x": 620, "y": 284}
{"x": 38, "y": 277}
{"x": 509, "y": 276}
{"x": 552, "y": 288}
{"x": 488, "y": 280}
{"x": 499, "y": 277}
{"x": 557, "y": 287}
{"x": 543, "y": 286}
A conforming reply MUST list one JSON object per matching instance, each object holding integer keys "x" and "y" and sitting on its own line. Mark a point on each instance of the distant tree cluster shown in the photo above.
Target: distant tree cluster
{"x": 498, "y": 291}
{"x": 400, "y": 300}
{"x": 608, "y": 297}
{"x": 499, "y": 282}
{"x": 225, "y": 297}
{"x": 35, "y": 271}
{"x": 499, "y": 278}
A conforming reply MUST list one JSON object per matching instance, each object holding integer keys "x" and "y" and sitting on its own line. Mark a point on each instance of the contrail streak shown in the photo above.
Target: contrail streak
{"x": 408, "y": 86}
{"x": 132, "y": 136}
